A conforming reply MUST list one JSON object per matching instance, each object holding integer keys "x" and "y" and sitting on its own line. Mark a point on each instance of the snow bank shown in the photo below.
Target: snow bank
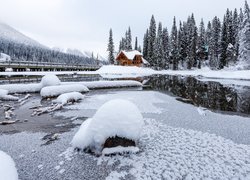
{"x": 8, "y": 170}
{"x": 109, "y": 121}
{"x": 53, "y": 91}
{"x": 108, "y": 84}
{"x": 69, "y": 97}
{"x": 47, "y": 80}
{"x": 50, "y": 80}
{"x": 125, "y": 71}
{"x": 22, "y": 88}
{"x": 208, "y": 73}
{"x": 4, "y": 96}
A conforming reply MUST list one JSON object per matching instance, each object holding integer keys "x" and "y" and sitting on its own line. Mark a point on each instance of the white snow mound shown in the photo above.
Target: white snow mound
{"x": 68, "y": 97}
{"x": 53, "y": 91}
{"x": 50, "y": 80}
{"x": 115, "y": 118}
{"x": 4, "y": 96}
{"x": 8, "y": 170}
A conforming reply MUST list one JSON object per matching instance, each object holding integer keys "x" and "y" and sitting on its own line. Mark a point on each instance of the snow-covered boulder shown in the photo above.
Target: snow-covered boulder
{"x": 69, "y": 97}
{"x": 53, "y": 91}
{"x": 8, "y": 170}
{"x": 50, "y": 80}
{"x": 116, "y": 118}
{"x": 8, "y": 70}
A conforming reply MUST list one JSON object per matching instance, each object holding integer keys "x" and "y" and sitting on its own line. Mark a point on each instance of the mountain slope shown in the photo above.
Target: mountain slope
{"x": 10, "y": 34}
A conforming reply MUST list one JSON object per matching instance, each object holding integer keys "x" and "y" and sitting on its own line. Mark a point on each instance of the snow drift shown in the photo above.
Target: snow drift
{"x": 8, "y": 170}
{"x": 69, "y": 97}
{"x": 4, "y": 96}
{"x": 53, "y": 91}
{"x": 109, "y": 121}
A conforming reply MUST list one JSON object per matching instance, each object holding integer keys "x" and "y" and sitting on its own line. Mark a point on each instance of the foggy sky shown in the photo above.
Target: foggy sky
{"x": 84, "y": 24}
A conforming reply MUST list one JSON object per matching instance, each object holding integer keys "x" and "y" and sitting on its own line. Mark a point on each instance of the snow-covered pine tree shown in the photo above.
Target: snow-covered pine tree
{"x": 158, "y": 55}
{"x": 244, "y": 39}
{"x": 223, "y": 44}
{"x": 145, "y": 45}
{"x": 165, "y": 46}
{"x": 151, "y": 41}
{"x": 192, "y": 42}
{"x": 201, "y": 44}
{"x": 181, "y": 44}
{"x": 174, "y": 46}
{"x": 136, "y": 43}
{"x": 139, "y": 49}
{"x": 129, "y": 40}
{"x": 236, "y": 29}
{"x": 215, "y": 39}
{"x": 111, "y": 48}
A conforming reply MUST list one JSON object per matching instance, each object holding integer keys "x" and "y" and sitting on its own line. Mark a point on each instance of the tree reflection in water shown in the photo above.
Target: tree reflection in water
{"x": 212, "y": 95}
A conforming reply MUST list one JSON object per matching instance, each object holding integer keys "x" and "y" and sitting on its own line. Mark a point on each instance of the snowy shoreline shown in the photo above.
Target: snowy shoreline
{"x": 111, "y": 71}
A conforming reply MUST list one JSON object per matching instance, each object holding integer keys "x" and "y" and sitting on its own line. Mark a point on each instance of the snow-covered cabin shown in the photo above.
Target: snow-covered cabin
{"x": 131, "y": 58}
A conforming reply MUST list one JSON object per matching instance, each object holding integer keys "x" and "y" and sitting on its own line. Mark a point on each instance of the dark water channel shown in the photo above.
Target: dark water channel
{"x": 208, "y": 94}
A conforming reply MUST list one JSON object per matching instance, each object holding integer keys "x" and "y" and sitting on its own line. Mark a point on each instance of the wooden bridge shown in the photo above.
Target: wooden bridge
{"x": 44, "y": 66}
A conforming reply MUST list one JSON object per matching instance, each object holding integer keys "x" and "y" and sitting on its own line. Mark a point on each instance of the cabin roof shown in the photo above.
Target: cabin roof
{"x": 131, "y": 54}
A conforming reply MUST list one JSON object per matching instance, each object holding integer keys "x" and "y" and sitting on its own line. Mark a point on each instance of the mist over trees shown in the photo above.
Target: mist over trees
{"x": 193, "y": 44}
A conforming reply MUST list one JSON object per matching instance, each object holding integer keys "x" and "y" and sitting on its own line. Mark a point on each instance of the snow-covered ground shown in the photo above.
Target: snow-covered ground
{"x": 179, "y": 141}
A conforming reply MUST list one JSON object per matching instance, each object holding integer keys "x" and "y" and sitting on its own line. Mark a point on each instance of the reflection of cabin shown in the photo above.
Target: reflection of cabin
{"x": 131, "y": 58}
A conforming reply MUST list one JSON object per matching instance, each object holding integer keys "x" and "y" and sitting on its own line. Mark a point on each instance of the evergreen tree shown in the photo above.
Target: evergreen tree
{"x": 145, "y": 45}
{"x": 151, "y": 41}
{"x": 223, "y": 44}
{"x": 166, "y": 48}
{"x": 136, "y": 43}
{"x": 139, "y": 49}
{"x": 129, "y": 40}
{"x": 192, "y": 43}
{"x": 111, "y": 48}
{"x": 244, "y": 39}
{"x": 174, "y": 46}
{"x": 215, "y": 39}
{"x": 201, "y": 44}
{"x": 158, "y": 55}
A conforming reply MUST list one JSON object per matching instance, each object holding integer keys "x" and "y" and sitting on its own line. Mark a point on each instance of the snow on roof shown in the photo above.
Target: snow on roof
{"x": 131, "y": 54}
{"x": 145, "y": 61}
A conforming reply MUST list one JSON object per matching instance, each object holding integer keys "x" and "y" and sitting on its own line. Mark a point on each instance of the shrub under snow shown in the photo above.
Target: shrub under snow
{"x": 53, "y": 91}
{"x": 115, "y": 118}
{"x": 8, "y": 170}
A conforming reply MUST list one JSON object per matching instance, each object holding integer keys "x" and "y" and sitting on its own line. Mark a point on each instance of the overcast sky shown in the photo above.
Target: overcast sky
{"x": 84, "y": 24}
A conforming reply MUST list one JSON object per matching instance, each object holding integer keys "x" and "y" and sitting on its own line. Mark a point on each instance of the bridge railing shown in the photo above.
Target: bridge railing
{"x": 46, "y": 64}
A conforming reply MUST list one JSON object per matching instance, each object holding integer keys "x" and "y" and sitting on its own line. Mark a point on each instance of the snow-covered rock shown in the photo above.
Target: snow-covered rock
{"x": 50, "y": 80}
{"x": 115, "y": 118}
{"x": 8, "y": 70}
{"x": 8, "y": 170}
{"x": 69, "y": 97}
{"x": 53, "y": 91}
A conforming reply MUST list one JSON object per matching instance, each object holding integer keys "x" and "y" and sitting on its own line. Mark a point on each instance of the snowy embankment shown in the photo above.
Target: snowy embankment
{"x": 112, "y": 71}
{"x": 107, "y": 84}
{"x": 50, "y": 85}
{"x": 208, "y": 73}
{"x": 8, "y": 170}
{"x": 53, "y": 91}
{"x": 127, "y": 122}
{"x": 4, "y": 96}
